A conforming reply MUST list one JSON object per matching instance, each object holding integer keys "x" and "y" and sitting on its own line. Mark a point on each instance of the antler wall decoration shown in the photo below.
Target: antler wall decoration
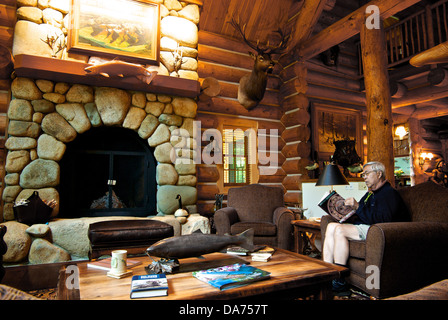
{"x": 253, "y": 86}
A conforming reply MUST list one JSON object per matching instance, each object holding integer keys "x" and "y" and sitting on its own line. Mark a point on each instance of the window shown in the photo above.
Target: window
{"x": 237, "y": 155}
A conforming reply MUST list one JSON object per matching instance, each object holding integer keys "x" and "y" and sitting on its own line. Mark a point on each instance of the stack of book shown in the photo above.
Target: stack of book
{"x": 263, "y": 254}
{"x": 260, "y": 253}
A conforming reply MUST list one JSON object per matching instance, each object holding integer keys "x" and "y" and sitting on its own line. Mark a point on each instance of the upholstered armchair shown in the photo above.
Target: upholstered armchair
{"x": 408, "y": 255}
{"x": 3, "y": 249}
{"x": 258, "y": 207}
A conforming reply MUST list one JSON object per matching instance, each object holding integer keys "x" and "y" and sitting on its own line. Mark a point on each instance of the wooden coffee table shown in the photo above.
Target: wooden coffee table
{"x": 291, "y": 273}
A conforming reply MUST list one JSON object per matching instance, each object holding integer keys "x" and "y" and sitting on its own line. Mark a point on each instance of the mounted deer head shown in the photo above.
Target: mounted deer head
{"x": 253, "y": 86}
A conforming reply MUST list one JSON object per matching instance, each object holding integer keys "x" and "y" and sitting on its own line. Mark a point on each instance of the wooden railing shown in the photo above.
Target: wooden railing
{"x": 419, "y": 32}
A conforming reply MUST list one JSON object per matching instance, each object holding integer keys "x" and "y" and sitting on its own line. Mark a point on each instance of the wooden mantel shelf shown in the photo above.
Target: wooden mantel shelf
{"x": 56, "y": 70}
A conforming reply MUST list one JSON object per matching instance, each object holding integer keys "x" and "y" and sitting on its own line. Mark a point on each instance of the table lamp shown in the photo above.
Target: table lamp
{"x": 331, "y": 176}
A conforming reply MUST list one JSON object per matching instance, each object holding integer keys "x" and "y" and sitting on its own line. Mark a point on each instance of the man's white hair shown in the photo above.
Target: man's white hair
{"x": 376, "y": 166}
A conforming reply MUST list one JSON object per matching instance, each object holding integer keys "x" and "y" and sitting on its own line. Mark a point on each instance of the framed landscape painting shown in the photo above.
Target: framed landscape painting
{"x": 123, "y": 29}
{"x": 332, "y": 123}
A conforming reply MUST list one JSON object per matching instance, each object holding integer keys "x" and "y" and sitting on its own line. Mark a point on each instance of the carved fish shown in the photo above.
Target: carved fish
{"x": 116, "y": 68}
{"x": 197, "y": 244}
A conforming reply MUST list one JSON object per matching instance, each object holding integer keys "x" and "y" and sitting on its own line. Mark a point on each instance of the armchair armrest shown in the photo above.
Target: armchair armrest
{"x": 409, "y": 255}
{"x": 282, "y": 219}
{"x": 282, "y": 214}
{"x": 224, "y": 218}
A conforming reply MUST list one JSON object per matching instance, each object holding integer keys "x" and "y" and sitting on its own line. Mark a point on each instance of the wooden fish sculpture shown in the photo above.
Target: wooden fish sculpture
{"x": 197, "y": 244}
{"x": 117, "y": 68}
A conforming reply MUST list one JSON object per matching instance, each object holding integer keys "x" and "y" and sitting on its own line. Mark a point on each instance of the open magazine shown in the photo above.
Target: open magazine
{"x": 333, "y": 204}
{"x": 231, "y": 276}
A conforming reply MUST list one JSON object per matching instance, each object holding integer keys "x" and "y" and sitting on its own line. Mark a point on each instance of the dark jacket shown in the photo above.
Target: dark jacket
{"x": 382, "y": 205}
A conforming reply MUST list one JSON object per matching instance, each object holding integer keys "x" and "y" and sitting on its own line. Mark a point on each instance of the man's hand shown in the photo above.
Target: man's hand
{"x": 351, "y": 202}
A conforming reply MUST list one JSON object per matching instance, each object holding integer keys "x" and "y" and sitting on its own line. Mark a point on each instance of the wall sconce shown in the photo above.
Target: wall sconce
{"x": 400, "y": 131}
{"x": 177, "y": 59}
{"x": 423, "y": 157}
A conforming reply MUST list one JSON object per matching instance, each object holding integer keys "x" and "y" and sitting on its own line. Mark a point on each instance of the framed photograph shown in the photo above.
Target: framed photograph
{"x": 332, "y": 123}
{"x": 123, "y": 29}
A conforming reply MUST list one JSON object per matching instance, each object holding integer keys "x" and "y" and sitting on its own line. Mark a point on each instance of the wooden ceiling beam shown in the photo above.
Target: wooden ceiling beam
{"x": 349, "y": 26}
{"x": 420, "y": 95}
{"x": 306, "y": 20}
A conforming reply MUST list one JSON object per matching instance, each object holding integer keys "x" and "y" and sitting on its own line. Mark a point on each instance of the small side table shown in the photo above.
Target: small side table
{"x": 301, "y": 227}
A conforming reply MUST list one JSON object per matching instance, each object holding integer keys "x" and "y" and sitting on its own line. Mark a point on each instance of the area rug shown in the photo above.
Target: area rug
{"x": 45, "y": 294}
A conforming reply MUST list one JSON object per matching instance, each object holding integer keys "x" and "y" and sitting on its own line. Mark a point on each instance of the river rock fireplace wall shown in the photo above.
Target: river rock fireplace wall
{"x": 50, "y": 114}
{"x": 40, "y": 132}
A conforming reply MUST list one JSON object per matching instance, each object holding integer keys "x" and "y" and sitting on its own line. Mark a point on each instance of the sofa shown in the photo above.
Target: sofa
{"x": 408, "y": 255}
{"x": 435, "y": 291}
{"x": 261, "y": 208}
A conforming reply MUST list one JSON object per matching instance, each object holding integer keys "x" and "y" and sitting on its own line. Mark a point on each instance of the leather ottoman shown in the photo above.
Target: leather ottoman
{"x": 133, "y": 235}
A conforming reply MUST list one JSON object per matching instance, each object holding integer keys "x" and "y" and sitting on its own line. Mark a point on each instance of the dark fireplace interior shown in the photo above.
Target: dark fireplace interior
{"x": 108, "y": 171}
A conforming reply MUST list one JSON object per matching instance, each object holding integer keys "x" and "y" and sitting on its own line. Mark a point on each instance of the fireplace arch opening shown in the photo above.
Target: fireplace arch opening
{"x": 108, "y": 171}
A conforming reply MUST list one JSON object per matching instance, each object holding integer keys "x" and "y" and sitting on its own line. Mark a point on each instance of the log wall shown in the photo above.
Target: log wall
{"x": 286, "y": 106}
{"x": 227, "y": 61}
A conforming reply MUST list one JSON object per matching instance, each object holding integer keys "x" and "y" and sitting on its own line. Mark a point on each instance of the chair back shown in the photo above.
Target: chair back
{"x": 255, "y": 202}
{"x": 426, "y": 201}
{"x": 3, "y": 249}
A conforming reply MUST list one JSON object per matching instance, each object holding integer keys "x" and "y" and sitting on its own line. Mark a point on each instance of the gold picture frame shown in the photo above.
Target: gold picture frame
{"x": 124, "y": 29}
{"x": 332, "y": 123}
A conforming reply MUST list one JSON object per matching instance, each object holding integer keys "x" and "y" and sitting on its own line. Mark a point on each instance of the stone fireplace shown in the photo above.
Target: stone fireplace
{"x": 55, "y": 107}
{"x": 89, "y": 130}
{"x": 103, "y": 148}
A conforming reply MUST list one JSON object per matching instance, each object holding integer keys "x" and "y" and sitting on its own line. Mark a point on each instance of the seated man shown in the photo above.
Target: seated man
{"x": 382, "y": 203}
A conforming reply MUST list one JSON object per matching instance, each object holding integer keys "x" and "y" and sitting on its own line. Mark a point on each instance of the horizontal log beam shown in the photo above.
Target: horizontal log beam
{"x": 336, "y": 95}
{"x": 293, "y": 166}
{"x": 293, "y": 197}
{"x": 292, "y": 182}
{"x": 273, "y": 178}
{"x": 420, "y": 95}
{"x": 300, "y": 149}
{"x": 210, "y": 120}
{"x": 233, "y": 107}
{"x": 207, "y": 191}
{"x": 73, "y": 72}
{"x": 296, "y": 133}
{"x": 349, "y": 26}
{"x": 297, "y": 101}
{"x": 207, "y": 173}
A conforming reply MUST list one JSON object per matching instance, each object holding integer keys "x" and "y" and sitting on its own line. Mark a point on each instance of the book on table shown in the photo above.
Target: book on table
{"x": 240, "y": 251}
{"x": 333, "y": 204}
{"x": 150, "y": 285}
{"x": 231, "y": 276}
{"x": 263, "y": 254}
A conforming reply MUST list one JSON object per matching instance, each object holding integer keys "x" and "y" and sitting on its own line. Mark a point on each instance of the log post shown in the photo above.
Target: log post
{"x": 6, "y": 63}
{"x": 378, "y": 99}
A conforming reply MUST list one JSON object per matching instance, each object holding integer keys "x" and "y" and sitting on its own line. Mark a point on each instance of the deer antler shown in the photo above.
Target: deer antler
{"x": 268, "y": 49}
{"x": 242, "y": 32}
{"x": 281, "y": 46}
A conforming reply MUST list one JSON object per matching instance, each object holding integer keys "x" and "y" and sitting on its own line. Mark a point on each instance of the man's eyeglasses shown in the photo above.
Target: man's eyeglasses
{"x": 364, "y": 174}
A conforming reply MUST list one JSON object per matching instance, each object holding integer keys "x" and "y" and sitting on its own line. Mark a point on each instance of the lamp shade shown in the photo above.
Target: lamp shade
{"x": 331, "y": 176}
